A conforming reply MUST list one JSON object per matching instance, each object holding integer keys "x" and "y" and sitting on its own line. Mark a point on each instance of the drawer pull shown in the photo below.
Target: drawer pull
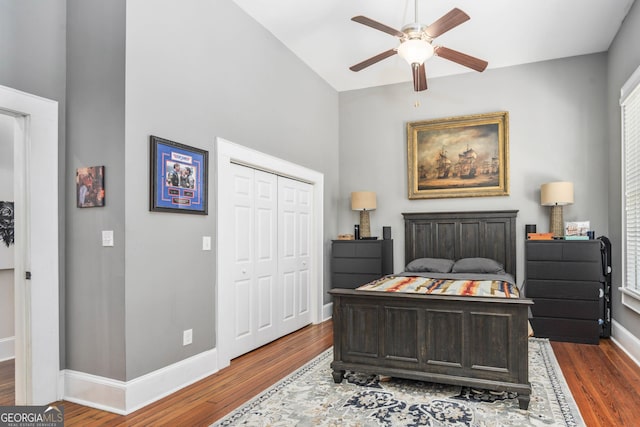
{"x": 601, "y": 293}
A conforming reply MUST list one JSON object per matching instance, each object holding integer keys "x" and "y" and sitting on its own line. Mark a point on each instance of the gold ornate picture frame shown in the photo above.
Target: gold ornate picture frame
{"x": 464, "y": 156}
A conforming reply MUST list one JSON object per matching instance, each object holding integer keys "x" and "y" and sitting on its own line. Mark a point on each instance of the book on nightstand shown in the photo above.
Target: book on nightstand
{"x": 540, "y": 236}
{"x": 576, "y": 237}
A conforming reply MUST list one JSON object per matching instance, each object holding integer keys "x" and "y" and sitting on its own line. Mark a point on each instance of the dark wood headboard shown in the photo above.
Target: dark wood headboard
{"x": 455, "y": 235}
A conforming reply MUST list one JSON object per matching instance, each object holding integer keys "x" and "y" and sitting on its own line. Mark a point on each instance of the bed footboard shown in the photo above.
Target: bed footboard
{"x": 470, "y": 341}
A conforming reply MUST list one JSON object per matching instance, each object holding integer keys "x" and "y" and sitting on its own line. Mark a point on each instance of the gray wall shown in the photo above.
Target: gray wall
{"x": 190, "y": 79}
{"x": 95, "y": 315}
{"x": 557, "y": 131}
{"x": 624, "y": 58}
{"x": 33, "y": 52}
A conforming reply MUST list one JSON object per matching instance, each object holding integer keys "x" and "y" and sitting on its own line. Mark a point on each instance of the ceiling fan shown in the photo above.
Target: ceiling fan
{"x": 416, "y": 45}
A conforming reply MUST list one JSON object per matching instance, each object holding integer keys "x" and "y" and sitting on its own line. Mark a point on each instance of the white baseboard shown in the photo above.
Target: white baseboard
{"x": 7, "y": 348}
{"x": 125, "y": 397}
{"x": 327, "y": 311}
{"x": 628, "y": 342}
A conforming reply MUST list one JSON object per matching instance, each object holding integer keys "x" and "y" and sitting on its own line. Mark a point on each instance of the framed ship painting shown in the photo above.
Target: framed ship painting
{"x": 178, "y": 177}
{"x": 465, "y": 156}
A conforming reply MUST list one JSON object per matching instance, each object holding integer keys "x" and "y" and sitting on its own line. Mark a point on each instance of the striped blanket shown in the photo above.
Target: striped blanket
{"x": 425, "y": 285}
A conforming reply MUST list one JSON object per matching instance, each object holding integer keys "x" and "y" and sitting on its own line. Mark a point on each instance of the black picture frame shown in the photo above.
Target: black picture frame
{"x": 90, "y": 191}
{"x": 178, "y": 177}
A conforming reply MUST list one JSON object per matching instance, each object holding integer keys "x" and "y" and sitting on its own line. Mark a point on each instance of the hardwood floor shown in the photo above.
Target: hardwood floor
{"x": 7, "y": 383}
{"x": 604, "y": 381}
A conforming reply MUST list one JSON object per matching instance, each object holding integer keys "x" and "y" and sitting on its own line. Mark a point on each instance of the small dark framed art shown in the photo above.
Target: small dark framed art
{"x": 178, "y": 177}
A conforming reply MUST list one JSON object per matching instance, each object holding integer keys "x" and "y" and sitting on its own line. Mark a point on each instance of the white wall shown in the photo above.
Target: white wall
{"x": 558, "y": 128}
{"x": 6, "y": 254}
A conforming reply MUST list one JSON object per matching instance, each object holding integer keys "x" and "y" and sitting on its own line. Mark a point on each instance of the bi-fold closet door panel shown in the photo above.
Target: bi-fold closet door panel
{"x": 294, "y": 247}
{"x": 255, "y": 262}
{"x": 271, "y": 222}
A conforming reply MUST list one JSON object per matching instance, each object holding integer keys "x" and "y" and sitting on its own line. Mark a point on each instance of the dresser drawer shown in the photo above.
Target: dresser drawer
{"x": 586, "y": 251}
{"x": 572, "y": 330}
{"x": 357, "y": 250}
{"x": 357, "y": 265}
{"x": 562, "y": 289}
{"x": 560, "y": 308}
{"x": 569, "y": 270}
{"x": 351, "y": 281}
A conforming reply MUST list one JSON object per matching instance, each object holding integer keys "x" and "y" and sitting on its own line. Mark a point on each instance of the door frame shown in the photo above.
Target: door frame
{"x": 226, "y": 153}
{"x": 37, "y": 321}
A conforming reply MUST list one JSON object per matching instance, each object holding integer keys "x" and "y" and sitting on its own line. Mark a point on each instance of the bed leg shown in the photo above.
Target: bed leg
{"x": 523, "y": 401}
{"x": 337, "y": 376}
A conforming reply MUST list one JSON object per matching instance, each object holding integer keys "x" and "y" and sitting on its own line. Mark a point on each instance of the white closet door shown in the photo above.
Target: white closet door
{"x": 294, "y": 230}
{"x": 254, "y": 258}
{"x": 266, "y": 252}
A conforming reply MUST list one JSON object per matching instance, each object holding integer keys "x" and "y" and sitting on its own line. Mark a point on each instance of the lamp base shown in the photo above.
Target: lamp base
{"x": 365, "y": 226}
{"x": 556, "y": 223}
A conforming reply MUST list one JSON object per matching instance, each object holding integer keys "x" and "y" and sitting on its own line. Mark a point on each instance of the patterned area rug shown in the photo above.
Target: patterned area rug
{"x": 309, "y": 397}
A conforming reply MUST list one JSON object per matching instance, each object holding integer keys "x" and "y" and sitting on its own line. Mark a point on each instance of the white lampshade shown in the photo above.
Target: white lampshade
{"x": 363, "y": 200}
{"x": 556, "y": 193}
{"x": 415, "y": 51}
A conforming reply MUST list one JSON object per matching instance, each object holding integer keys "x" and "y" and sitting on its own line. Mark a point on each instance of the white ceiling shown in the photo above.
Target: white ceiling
{"x": 502, "y": 32}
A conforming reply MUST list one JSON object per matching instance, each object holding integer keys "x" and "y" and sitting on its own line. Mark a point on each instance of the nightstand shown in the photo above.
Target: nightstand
{"x": 566, "y": 280}
{"x": 356, "y": 262}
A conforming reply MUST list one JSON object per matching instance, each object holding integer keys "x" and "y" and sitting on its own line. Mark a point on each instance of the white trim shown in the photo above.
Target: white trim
{"x": 226, "y": 153}
{"x": 630, "y": 296}
{"x": 37, "y": 320}
{"x": 125, "y": 397}
{"x": 632, "y": 82}
{"x": 327, "y": 311}
{"x": 628, "y": 342}
{"x": 7, "y": 348}
{"x": 630, "y": 299}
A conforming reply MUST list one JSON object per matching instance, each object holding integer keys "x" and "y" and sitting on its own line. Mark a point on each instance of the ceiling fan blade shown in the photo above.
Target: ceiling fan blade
{"x": 461, "y": 58}
{"x": 419, "y": 77}
{"x": 377, "y": 25}
{"x": 451, "y": 20}
{"x": 379, "y": 57}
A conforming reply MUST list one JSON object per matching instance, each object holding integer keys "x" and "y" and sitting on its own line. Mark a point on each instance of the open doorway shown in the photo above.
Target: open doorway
{"x": 35, "y": 264}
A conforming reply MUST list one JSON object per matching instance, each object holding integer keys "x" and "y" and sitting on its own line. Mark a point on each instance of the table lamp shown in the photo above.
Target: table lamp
{"x": 364, "y": 201}
{"x": 556, "y": 195}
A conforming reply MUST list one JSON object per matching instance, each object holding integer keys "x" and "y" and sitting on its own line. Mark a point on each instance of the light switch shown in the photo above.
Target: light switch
{"x": 206, "y": 243}
{"x": 107, "y": 237}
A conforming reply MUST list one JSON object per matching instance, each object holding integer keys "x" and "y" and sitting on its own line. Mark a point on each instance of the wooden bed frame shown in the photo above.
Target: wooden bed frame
{"x": 479, "y": 342}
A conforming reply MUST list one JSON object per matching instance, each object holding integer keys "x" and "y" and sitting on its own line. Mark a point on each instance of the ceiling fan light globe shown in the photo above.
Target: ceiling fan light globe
{"x": 415, "y": 51}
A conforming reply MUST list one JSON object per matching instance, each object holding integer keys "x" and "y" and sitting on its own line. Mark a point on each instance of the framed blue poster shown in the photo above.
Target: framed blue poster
{"x": 178, "y": 177}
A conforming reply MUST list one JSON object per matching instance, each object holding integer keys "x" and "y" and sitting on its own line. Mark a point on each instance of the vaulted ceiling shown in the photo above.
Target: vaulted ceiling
{"x": 502, "y": 32}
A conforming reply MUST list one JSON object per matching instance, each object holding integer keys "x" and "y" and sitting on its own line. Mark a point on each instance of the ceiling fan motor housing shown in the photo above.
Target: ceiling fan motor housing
{"x": 416, "y": 31}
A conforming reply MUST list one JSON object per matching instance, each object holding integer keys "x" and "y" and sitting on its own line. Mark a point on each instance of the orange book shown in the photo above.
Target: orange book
{"x": 540, "y": 236}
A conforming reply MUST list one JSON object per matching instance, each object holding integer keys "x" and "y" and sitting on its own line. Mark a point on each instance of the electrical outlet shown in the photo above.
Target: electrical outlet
{"x": 187, "y": 337}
